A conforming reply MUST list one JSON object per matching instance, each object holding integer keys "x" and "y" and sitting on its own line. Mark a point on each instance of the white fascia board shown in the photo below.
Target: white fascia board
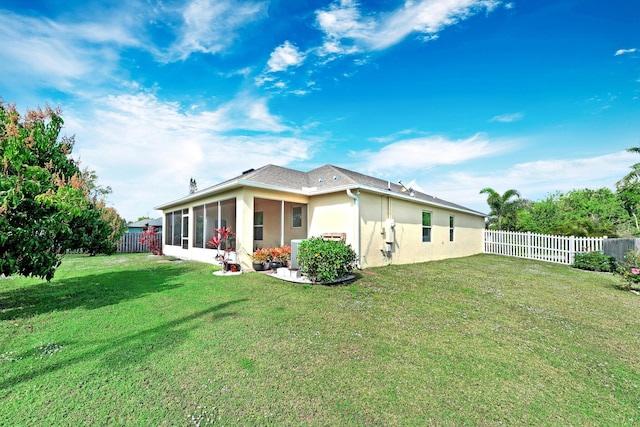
{"x": 197, "y": 195}
{"x": 272, "y": 187}
{"x": 227, "y": 186}
{"x": 402, "y": 197}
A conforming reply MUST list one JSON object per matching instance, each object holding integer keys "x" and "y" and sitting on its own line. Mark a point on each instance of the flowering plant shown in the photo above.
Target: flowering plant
{"x": 221, "y": 241}
{"x": 262, "y": 255}
{"x": 284, "y": 253}
{"x": 629, "y": 269}
{"x": 273, "y": 254}
{"x": 151, "y": 238}
{"x": 281, "y": 253}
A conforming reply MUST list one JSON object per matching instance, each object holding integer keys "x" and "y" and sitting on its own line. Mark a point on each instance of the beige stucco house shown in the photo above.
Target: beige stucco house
{"x": 384, "y": 222}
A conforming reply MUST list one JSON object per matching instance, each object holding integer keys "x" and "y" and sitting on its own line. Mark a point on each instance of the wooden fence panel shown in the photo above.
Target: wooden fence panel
{"x": 129, "y": 244}
{"x": 541, "y": 247}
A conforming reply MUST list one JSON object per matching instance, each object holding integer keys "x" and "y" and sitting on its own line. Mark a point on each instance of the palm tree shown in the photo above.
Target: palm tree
{"x": 502, "y": 206}
{"x": 634, "y": 175}
{"x": 628, "y": 189}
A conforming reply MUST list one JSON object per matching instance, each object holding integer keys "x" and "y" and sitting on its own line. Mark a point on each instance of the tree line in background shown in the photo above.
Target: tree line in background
{"x": 586, "y": 212}
{"x": 48, "y": 205}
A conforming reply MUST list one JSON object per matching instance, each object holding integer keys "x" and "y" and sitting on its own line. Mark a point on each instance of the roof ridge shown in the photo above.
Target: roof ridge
{"x": 337, "y": 170}
{"x": 322, "y": 179}
{"x": 352, "y": 175}
{"x": 275, "y": 175}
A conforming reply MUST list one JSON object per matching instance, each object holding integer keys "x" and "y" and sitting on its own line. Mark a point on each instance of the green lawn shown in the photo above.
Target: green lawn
{"x": 484, "y": 340}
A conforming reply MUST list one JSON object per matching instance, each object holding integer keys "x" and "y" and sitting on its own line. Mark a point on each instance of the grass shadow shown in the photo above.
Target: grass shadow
{"x": 129, "y": 350}
{"x": 90, "y": 291}
{"x": 348, "y": 280}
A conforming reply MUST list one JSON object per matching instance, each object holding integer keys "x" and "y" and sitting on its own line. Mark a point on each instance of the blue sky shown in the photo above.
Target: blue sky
{"x": 453, "y": 95}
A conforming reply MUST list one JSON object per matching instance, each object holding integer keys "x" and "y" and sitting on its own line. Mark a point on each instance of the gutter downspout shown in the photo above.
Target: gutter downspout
{"x": 357, "y": 236}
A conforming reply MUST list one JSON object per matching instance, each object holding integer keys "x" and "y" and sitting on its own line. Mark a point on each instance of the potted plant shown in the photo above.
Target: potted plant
{"x": 260, "y": 257}
{"x": 226, "y": 254}
{"x": 285, "y": 255}
{"x": 279, "y": 256}
{"x": 274, "y": 260}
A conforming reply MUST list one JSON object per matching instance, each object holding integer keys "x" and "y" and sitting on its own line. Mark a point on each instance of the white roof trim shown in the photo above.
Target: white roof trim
{"x": 313, "y": 191}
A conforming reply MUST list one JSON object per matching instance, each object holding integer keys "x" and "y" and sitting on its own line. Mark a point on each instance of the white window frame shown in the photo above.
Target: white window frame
{"x": 256, "y": 226}
{"x": 451, "y": 227}
{"x": 293, "y": 217}
{"x": 427, "y": 227}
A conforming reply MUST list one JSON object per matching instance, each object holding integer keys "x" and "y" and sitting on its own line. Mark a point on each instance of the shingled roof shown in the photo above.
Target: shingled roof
{"x": 325, "y": 179}
{"x": 157, "y": 222}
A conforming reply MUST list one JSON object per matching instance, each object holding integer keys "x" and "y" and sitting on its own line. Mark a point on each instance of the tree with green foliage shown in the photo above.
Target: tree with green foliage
{"x": 589, "y": 213}
{"x": 586, "y": 212}
{"x": 628, "y": 190}
{"x": 98, "y": 231}
{"x": 503, "y": 208}
{"x": 629, "y": 195}
{"x": 46, "y": 204}
{"x": 536, "y": 217}
{"x": 96, "y": 193}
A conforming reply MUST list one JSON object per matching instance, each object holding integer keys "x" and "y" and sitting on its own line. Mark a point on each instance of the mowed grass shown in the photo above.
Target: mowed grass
{"x": 483, "y": 340}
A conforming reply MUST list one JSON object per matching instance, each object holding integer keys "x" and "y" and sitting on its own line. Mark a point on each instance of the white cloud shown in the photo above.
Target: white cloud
{"x": 347, "y": 31}
{"x": 534, "y": 180}
{"x": 507, "y": 118}
{"x": 281, "y": 59}
{"x": 210, "y": 26}
{"x": 426, "y": 152}
{"x": 342, "y": 22}
{"x": 624, "y": 51}
{"x": 246, "y": 113}
{"x": 158, "y": 146}
{"x": 57, "y": 54}
{"x": 244, "y": 72}
{"x": 284, "y": 56}
{"x": 568, "y": 174}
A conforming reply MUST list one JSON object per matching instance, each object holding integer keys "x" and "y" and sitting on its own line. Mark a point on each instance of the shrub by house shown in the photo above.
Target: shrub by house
{"x": 325, "y": 261}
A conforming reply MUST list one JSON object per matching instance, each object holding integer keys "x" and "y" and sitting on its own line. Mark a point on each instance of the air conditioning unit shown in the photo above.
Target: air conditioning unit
{"x": 294, "y": 252}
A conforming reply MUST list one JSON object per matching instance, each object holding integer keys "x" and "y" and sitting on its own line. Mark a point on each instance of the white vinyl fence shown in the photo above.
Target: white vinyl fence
{"x": 541, "y": 247}
{"x": 129, "y": 244}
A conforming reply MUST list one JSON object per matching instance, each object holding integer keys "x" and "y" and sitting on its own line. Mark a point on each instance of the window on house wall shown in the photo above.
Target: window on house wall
{"x": 296, "y": 217}
{"x": 206, "y": 221}
{"x": 168, "y": 220}
{"x": 258, "y": 225}
{"x": 228, "y": 218}
{"x": 177, "y": 227}
{"x": 198, "y": 227}
{"x": 185, "y": 229}
{"x": 210, "y": 221}
{"x": 426, "y": 226}
{"x": 451, "y": 228}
